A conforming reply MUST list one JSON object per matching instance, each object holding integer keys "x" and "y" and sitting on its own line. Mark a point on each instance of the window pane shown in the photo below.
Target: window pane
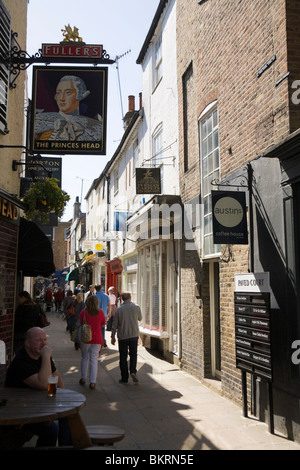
{"x": 146, "y": 290}
{"x": 155, "y": 287}
{"x": 215, "y": 118}
{"x": 216, "y": 139}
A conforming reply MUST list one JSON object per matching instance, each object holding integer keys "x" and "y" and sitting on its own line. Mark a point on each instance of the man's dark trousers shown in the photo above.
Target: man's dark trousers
{"x": 125, "y": 345}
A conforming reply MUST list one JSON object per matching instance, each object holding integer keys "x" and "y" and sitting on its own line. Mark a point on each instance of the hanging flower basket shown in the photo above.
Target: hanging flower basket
{"x": 44, "y": 197}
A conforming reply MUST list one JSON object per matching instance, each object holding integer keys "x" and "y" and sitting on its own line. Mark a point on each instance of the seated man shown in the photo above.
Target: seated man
{"x": 31, "y": 368}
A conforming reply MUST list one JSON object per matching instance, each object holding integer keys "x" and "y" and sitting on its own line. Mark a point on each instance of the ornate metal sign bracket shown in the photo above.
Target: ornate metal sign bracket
{"x": 244, "y": 182}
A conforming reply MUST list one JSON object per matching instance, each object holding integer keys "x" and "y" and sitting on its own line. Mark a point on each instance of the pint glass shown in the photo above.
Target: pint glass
{"x": 52, "y": 384}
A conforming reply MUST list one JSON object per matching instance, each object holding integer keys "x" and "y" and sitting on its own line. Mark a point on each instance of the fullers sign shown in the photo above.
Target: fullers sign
{"x": 229, "y": 217}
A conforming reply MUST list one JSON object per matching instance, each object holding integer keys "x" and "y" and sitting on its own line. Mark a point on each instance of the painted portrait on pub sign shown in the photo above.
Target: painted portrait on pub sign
{"x": 69, "y": 110}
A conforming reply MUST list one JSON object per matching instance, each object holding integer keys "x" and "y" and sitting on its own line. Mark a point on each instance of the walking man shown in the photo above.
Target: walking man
{"x": 126, "y": 325}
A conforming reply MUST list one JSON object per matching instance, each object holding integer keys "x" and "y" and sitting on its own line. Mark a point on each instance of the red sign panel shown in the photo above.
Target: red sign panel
{"x": 77, "y": 51}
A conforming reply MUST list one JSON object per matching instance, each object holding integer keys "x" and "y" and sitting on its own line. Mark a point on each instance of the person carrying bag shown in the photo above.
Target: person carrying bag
{"x": 91, "y": 319}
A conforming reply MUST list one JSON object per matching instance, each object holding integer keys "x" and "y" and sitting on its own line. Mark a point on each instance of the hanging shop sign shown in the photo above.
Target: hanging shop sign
{"x": 39, "y": 173}
{"x": 229, "y": 216}
{"x": 148, "y": 181}
{"x": 69, "y": 110}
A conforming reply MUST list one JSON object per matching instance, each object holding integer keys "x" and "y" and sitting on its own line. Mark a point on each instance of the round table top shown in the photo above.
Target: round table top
{"x": 26, "y": 405}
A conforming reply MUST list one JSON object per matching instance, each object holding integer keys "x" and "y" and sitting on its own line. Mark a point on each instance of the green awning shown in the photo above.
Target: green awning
{"x": 73, "y": 275}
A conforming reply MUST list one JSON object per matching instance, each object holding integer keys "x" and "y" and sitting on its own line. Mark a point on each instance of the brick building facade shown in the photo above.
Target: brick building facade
{"x": 237, "y": 63}
{"x": 13, "y": 16}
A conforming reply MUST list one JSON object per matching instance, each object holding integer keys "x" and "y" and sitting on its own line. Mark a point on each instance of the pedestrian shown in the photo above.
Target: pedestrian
{"x": 26, "y": 316}
{"x": 74, "y": 320}
{"x": 113, "y": 307}
{"x": 94, "y": 317}
{"x": 69, "y": 298}
{"x": 90, "y": 292}
{"x": 30, "y": 369}
{"x": 49, "y": 298}
{"x": 126, "y": 325}
{"x": 104, "y": 304}
{"x": 58, "y": 298}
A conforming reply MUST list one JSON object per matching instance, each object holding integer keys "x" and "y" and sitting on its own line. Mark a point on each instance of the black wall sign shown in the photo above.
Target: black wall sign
{"x": 229, "y": 217}
{"x": 148, "y": 181}
{"x": 38, "y": 173}
{"x": 253, "y": 333}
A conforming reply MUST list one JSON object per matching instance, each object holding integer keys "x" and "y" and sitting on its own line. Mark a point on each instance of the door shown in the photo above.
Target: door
{"x": 215, "y": 319}
{"x": 174, "y": 338}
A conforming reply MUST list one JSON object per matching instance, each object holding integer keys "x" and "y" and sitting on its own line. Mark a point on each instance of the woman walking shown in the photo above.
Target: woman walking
{"x": 90, "y": 351}
{"x": 74, "y": 320}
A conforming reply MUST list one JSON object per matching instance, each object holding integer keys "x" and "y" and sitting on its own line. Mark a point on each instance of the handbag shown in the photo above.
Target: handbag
{"x": 85, "y": 332}
{"x": 42, "y": 318}
{"x": 71, "y": 310}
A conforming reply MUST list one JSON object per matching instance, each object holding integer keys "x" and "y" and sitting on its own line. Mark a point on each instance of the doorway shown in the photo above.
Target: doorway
{"x": 174, "y": 330}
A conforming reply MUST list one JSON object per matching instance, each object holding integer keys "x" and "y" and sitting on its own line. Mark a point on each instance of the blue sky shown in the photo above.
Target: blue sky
{"x": 121, "y": 27}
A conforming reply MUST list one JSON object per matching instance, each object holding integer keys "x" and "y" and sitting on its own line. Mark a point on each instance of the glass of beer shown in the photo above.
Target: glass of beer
{"x": 52, "y": 384}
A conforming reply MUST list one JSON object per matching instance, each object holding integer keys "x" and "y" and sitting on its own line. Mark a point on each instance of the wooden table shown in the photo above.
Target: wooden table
{"x": 26, "y": 406}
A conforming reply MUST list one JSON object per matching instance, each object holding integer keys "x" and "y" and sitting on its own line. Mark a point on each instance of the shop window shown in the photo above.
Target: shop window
{"x": 153, "y": 286}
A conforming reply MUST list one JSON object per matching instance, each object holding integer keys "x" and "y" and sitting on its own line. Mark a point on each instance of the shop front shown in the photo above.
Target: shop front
{"x": 158, "y": 273}
{"x": 114, "y": 275}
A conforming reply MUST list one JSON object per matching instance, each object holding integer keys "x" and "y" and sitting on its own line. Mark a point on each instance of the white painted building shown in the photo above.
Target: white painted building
{"x": 149, "y": 267}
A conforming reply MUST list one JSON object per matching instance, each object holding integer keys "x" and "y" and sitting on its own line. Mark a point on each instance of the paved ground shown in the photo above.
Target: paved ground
{"x": 167, "y": 410}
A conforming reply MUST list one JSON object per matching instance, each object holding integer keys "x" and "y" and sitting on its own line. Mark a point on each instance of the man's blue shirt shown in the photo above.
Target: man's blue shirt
{"x": 103, "y": 301}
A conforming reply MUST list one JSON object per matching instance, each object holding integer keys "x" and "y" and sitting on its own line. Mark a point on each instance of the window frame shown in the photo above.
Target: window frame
{"x": 209, "y": 155}
{"x": 158, "y": 59}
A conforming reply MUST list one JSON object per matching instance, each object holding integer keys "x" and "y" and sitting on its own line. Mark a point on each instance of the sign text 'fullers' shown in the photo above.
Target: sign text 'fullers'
{"x": 58, "y": 50}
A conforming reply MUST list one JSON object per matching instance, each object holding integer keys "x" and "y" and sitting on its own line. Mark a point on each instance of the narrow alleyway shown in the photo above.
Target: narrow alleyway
{"x": 167, "y": 410}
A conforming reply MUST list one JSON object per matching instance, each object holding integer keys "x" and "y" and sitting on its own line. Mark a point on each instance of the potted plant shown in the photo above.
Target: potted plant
{"x": 44, "y": 197}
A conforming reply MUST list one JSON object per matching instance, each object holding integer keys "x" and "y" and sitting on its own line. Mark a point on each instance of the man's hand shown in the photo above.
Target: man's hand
{"x": 113, "y": 341}
{"x": 46, "y": 351}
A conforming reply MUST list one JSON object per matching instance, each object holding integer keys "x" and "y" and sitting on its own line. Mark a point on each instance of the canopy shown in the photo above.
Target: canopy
{"x": 73, "y": 275}
{"x": 35, "y": 255}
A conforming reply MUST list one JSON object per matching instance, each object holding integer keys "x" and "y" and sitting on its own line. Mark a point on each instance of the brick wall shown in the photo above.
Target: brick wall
{"x": 8, "y": 260}
{"x": 226, "y": 44}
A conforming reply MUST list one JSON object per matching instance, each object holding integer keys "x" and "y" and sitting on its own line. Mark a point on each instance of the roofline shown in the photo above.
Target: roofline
{"x": 151, "y": 31}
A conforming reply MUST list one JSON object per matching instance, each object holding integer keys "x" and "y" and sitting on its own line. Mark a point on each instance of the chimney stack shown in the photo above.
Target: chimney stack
{"x": 131, "y": 103}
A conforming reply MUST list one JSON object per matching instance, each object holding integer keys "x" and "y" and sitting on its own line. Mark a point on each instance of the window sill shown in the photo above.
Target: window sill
{"x": 157, "y": 334}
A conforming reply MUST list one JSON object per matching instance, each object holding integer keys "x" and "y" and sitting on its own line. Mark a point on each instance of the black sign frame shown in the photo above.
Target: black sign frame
{"x": 223, "y": 232}
{"x": 81, "y": 131}
{"x": 148, "y": 181}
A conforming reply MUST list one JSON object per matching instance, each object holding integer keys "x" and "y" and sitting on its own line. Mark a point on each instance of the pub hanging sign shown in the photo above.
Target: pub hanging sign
{"x": 69, "y": 110}
{"x": 229, "y": 214}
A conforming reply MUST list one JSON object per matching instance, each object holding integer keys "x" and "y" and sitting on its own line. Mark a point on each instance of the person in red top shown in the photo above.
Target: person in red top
{"x": 90, "y": 351}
